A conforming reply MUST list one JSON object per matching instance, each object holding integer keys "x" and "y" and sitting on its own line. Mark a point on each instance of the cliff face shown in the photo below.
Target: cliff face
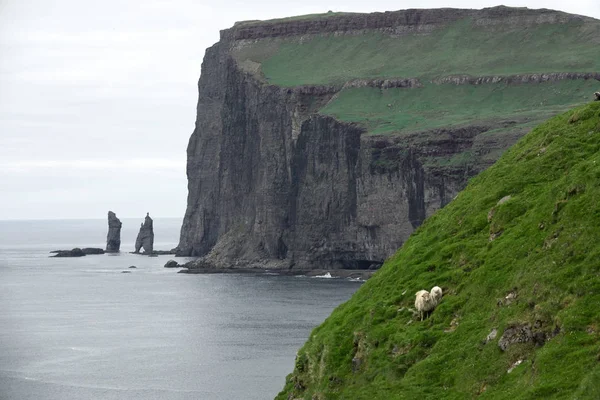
{"x": 272, "y": 183}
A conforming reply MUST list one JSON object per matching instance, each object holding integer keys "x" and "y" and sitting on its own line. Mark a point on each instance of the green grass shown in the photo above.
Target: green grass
{"x": 460, "y": 48}
{"x": 294, "y": 18}
{"x": 437, "y": 106}
{"x": 548, "y": 253}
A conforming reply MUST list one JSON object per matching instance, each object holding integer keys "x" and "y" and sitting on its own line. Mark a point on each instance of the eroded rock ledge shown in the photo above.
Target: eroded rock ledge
{"x": 394, "y": 22}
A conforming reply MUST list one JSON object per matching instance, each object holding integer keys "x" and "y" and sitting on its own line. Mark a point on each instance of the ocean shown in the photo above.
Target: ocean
{"x": 79, "y": 328}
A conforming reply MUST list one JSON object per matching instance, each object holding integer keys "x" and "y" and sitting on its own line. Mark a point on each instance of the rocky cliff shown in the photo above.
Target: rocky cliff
{"x": 276, "y": 181}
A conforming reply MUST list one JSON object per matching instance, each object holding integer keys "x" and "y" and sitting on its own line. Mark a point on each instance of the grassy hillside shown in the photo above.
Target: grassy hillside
{"x": 436, "y": 106}
{"x": 532, "y": 261}
{"x": 463, "y": 47}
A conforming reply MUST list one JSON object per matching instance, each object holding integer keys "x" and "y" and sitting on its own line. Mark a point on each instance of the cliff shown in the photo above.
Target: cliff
{"x": 516, "y": 256}
{"x": 311, "y": 151}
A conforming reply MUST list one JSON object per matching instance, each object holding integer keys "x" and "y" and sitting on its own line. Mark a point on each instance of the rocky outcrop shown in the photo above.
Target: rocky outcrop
{"x": 515, "y": 79}
{"x": 92, "y": 250}
{"x": 113, "y": 238}
{"x": 77, "y": 252}
{"x": 145, "y": 238}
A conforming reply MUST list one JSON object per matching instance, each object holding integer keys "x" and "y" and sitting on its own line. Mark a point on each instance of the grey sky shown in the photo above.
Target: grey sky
{"x": 97, "y": 99}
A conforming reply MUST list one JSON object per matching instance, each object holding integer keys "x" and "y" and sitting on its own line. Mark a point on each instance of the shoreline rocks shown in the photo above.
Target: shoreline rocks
{"x": 77, "y": 252}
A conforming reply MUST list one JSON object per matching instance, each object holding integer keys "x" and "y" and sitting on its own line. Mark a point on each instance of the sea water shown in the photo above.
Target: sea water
{"x": 79, "y": 328}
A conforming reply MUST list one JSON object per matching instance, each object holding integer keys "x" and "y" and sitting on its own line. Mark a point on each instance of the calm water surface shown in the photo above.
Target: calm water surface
{"x": 81, "y": 329}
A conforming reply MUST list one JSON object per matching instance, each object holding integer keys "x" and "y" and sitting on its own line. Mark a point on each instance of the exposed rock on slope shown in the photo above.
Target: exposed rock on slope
{"x": 274, "y": 182}
{"x": 113, "y": 238}
{"x": 145, "y": 238}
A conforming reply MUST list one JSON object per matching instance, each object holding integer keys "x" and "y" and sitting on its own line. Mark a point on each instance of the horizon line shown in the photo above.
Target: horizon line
{"x": 77, "y": 219}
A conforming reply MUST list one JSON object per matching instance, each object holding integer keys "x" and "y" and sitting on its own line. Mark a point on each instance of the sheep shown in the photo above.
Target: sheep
{"x": 426, "y": 302}
{"x": 597, "y": 94}
{"x": 436, "y": 292}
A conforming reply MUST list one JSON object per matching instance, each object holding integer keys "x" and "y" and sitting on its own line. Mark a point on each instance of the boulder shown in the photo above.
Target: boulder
{"x": 172, "y": 264}
{"x": 113, "y": 238}
{"x": 145, "y": 238}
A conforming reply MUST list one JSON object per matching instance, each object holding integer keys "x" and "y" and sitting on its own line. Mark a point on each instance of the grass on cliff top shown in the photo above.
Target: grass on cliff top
{"x": 436, "y": 106}
{"x": 460, "y": 48}
{"x": 317, "y": 16}
{"x": 547, "y": 253}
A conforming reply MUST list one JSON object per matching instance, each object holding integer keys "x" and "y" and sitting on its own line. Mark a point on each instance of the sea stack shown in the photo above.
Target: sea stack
{"x": 145, "y": 238}
{"x": 113, "y": 239}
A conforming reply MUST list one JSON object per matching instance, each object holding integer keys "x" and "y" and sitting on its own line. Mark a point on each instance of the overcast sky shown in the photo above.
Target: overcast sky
{"x": 98, "y": 98}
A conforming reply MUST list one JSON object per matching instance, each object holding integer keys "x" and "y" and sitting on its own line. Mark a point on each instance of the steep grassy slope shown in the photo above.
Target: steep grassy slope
{"x": 531, "y": 262}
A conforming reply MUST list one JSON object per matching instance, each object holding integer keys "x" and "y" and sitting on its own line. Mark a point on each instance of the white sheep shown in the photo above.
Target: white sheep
{"x": 426, "y": 302}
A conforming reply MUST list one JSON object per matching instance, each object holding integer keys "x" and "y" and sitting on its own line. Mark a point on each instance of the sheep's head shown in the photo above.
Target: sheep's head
{"x": 436, "y": 293}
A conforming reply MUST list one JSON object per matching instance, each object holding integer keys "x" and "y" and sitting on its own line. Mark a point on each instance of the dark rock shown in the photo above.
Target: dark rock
{"x": 113, "y": 238}
{"x": 164, "y": 252}
{"x": 76, "y": 252}
{"x": 515, "y": 334}
{"x": 145, "y": 238}
{"x": 173, "y": 264}
{"x": 92, "y": 250}
{"x": 133, "y": 266}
